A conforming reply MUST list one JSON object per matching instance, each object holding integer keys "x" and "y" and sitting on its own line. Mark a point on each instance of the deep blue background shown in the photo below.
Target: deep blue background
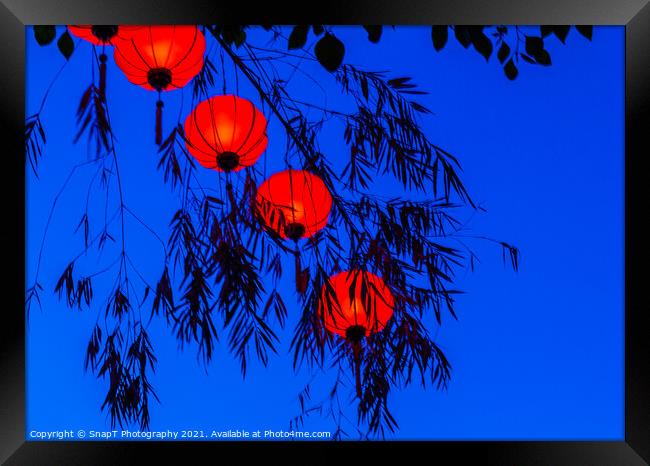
{"x": 536, "y": 354}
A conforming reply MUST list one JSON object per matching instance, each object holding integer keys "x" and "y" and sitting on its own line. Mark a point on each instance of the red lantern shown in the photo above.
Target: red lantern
{"x": 161, "y": 58}
{"x": 295, "y": 203}
{"x": 356, "y": 314}
{"x": 226, "y": 133}
{"x": 362, "y": 305}
{"x": 103, "y": 35}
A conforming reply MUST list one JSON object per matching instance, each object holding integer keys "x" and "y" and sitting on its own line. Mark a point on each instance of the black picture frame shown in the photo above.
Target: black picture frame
{"x": 633, "y": 14}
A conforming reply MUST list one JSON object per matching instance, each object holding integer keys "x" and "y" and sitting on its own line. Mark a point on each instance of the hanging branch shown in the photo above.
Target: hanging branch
{"x": 34, "y": 132}
{"x": 408, "y": 230}
{"x": 125, "y": 356}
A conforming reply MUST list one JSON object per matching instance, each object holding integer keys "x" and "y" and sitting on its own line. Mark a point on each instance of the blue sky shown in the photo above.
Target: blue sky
{"x": 536, "y": 354}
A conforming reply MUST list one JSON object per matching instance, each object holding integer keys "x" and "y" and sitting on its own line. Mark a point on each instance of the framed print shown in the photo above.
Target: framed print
{"x": 372, "y": 227}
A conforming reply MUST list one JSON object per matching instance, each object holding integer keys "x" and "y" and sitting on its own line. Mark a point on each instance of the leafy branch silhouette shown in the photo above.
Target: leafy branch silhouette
{"x": 221, "y": 265}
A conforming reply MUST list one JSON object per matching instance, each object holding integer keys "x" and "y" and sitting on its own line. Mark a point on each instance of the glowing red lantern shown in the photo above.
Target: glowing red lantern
{"x": 226, "y": 133}
{"x": 295, "y": 203}
{"x": 356, "y": 314}
{"x": 161, "y": 58}
{"x": 361, "y": 305}
{"x": 102, "y": 35}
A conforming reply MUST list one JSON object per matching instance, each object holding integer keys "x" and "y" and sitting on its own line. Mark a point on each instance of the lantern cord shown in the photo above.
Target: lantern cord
{"x": 159, "y": 107}
{"x": 102, "y": 75}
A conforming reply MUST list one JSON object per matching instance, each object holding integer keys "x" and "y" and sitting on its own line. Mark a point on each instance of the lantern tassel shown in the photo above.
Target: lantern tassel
{"x": 302, "y": 275}
{"x": 298, "y": 270}
{"x": 102, "y": 75}
{"x": 356, "y": 348}
{"x": 231, "y": 195}
{"x": 159, "y": 107}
